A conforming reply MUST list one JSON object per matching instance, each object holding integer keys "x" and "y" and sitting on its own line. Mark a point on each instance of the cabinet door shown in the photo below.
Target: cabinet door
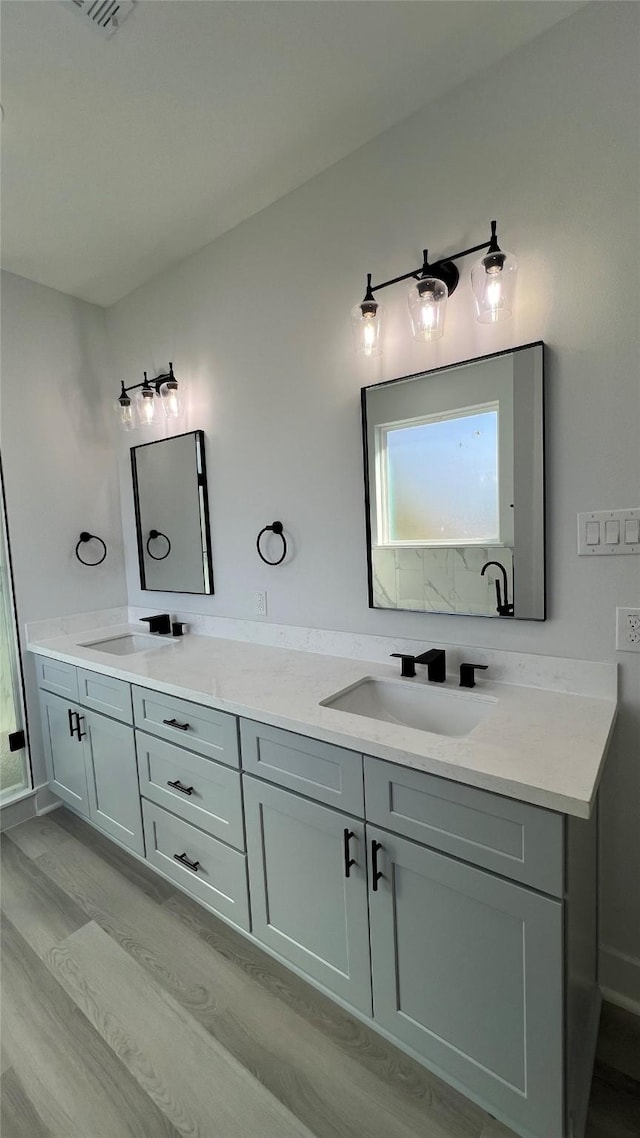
{"x": 64, "y": 753}
{"x": 467, "y": 970}
{"x": 112, "y": 776}
{"x": 302, "y": 903}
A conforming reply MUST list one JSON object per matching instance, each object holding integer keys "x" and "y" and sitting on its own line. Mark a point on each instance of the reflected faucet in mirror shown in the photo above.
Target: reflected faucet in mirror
{"x": 503, "y": 607}
{"x": 454, "y": 465}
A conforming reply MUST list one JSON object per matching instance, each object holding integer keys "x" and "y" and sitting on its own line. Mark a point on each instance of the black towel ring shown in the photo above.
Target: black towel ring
{"x": 275, "y": 527}
{"x": 153, "y": 534}
{"x": 85, "y": 536}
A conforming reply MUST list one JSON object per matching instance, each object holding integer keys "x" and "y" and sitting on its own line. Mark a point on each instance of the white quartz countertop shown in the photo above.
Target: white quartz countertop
{"x": 539, "y": 746}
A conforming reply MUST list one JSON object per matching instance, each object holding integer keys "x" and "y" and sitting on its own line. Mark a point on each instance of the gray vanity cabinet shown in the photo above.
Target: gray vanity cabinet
{"x": 459, "y": 922}
{"x": 90, "y": 757}
{"x": 467, "y": 972}
{"x": 303, "y": 905}
{"x": 112, "y": 778}
{"x": 64, "y": 757}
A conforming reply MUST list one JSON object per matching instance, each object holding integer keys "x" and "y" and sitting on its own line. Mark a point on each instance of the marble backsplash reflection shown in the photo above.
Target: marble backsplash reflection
{"x": 439, "y": 580}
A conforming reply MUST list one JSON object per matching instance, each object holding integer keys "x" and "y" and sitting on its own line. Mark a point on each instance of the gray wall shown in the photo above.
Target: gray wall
{"x": 57, "y": 456}
{"x": 258, "y": 323}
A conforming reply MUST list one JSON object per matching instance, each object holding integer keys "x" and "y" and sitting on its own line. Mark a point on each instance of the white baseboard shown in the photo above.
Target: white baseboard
{"x": 31, "y": 804}
{"x": 45, "y": 800}
{"x": 20, "y": 810}
{"x": 619, "y": 978}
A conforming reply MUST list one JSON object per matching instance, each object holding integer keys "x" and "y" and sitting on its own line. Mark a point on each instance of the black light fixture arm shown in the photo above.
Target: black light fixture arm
{"x": 444, "y": 269}
{"x": 156, "y": 382}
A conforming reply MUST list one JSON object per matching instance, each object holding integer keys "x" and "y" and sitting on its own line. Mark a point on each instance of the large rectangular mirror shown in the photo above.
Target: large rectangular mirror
{"x": 454, "y": 487}
{"x": 172, "y": 516}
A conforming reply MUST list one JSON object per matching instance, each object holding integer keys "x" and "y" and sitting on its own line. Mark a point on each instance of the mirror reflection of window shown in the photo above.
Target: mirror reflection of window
{"x": 461, "y": 449}
{"x": 454, "y": 469}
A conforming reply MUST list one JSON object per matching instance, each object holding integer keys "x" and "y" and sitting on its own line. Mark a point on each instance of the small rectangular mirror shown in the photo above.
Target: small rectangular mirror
{"x": 454, "y": 486}
{"x": 172, "y": 515}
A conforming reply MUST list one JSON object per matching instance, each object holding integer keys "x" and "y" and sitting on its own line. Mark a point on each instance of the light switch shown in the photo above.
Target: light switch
{"x": 612, "y": 531}
{"x": 606, "y": 533}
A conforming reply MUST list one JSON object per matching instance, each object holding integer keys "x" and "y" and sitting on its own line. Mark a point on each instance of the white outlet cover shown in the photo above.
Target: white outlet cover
{"x": 628, "y": 630}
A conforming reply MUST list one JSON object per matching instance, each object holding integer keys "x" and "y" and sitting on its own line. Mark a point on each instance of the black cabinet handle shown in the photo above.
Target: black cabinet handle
{"x": 177, "y": 785}
{"x": 174, "y": 723}
{"x": 73, "y": 727}
{"x": 375, "y": 872}
{"x": 194, "y": 866}
{"x": 348, "y": 861}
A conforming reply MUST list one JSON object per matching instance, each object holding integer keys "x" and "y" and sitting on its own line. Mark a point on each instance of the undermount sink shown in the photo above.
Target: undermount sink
{"x": 413, "y": 704}
{"x": 127, "y": 644}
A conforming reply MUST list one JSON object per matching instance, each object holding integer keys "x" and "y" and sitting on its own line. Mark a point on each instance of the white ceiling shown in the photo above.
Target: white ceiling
{"x": 122, "y": 156}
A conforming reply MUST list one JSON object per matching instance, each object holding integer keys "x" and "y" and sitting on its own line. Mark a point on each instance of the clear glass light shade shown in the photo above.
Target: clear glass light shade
{"x": 367, "y": 331}
{"x": 171, "y": 396}
{"x": 493, "y": 280}
{"x": 146, "y": 406}
{"x": 124, "y": 409}
{"x": 427, "y": 307}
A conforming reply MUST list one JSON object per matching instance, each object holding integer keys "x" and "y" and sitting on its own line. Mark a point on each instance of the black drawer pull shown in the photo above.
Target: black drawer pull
{"x": 174, "y": 723}
{"x": 79, "y": 720}
{"x": 71, "y": 713}
{"x": 194, "y": 866}
{"x": 348, "y": 861}
{"x": 177, "y": 785}
{"x": 375, "y": 872}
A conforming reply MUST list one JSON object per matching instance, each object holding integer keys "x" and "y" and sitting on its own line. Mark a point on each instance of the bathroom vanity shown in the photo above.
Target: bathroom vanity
{"x": 441, "y": 885}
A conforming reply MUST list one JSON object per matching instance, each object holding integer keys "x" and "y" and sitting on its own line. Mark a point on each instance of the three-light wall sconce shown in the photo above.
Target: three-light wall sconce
{"x": 163, "y": 390}
{"x": 493, "y": 280}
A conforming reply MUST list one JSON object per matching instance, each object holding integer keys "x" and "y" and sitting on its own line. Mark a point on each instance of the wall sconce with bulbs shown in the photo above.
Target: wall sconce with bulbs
{"x": 493, "y": 280}
{"x": 164, "y": 387}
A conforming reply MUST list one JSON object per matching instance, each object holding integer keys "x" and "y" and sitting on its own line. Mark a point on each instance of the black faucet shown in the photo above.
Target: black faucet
{"x": 160, "y": 623}
{"x": 503, "y": 607}
{"x": 435, "y": 659}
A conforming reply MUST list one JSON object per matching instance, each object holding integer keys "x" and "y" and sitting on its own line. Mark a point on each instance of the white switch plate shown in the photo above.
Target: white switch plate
{"x": 261, "y": 604}
{"x": 628, "y": 630}
{"x": 594, "y": 523}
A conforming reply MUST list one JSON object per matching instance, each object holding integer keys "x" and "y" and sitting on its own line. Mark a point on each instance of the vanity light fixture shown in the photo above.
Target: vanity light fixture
{"x": 493, "y": 280}
{"x": 164, "y": 386}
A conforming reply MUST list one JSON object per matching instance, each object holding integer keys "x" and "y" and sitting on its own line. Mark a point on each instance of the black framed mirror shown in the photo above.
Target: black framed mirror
{"x": 172, "y": 515}
{"x": 454, "y": 488}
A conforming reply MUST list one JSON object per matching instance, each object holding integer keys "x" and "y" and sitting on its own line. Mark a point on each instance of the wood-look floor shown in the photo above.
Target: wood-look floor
{"x": 130, "y": 1012}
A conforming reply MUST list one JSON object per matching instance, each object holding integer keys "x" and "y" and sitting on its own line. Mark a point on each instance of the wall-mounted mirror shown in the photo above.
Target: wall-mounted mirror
{"x": 172, "y": 515}
{"x": 454, "y": 487}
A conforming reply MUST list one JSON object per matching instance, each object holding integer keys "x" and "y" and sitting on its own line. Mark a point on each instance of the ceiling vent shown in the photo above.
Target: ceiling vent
{"x": 106, "y": 16}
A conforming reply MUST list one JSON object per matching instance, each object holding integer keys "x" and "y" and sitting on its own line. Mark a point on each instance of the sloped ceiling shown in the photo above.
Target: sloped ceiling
{"x": 121, "y": 156}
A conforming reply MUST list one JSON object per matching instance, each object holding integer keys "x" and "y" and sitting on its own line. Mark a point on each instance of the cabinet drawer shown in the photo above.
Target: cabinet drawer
{"x": 219, "y": 876}
{"x": 105, "y": 694}
{"x": 55, "y": 676}
{"x": 211, "y": 797}
{"x": 508, "y": 837}
{"x": 202, "y": 729}
{"x": 318, "y": 770}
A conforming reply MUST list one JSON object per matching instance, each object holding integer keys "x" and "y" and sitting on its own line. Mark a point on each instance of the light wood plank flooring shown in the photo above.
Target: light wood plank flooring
{"x": 130, "y": 1012}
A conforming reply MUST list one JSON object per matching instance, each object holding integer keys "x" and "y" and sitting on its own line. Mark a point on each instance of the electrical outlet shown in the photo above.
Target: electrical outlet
{"x": 261, "y": 604}
{"x": 628, "y": 630}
